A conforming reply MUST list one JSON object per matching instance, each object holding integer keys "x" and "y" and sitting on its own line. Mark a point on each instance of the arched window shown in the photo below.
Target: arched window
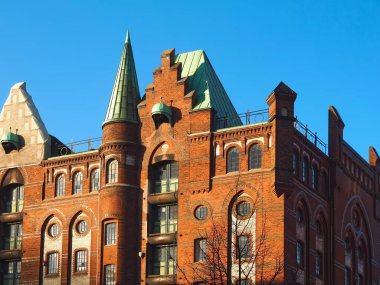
{"x": 77, "y": 183}
{"x": 60, "y": 186}
{"x": 314, "y": 177}
{"x": 305, "y": 169}
{"x": 295, "y": 162}
{"x": 255, "y": 156}
{"x": 95, "y": 180}
{"x": 233, "y": 160}
{"x": 112, "y": 171}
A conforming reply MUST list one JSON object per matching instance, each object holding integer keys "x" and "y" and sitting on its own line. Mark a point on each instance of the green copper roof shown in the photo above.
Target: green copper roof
{"x": 208, "y": 88}
{"x": 125, "y": 94}
{"x": 11, "y": 138}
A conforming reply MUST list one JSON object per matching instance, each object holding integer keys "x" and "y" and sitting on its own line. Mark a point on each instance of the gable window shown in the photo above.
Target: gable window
{"x": 110, "y": 274}
{"x": 295, "y": 163}
{"x": 233, "y": 160}
{"x": 299, "y": 253}
{"x": 305, "y": 169}
{"x": 200, "y": 249}
{"x": 314, "y": 177}
{"x": 165, "y": 219}
{"x": 60, "y": 186}
{"x": 14, "y": 199}
{"x": 77, "y": 183}
{"x": 52, "y": 263}
{"x": 81, "y": 261}
{"x": 95, "y": 180}
{"x": 243, "y": 247}
{"x": 110, "y": 233}
{"x": 165, "y": 177}
{"x": 112, "y": 171}
{"x": 255, "y": 157}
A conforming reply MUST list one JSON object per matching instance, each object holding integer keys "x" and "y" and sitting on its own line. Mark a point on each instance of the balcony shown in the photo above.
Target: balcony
{"x": 161, "y": 280}
{"x": 10, "y": 254}
{"x": 11, "y": 217}
{"x": 162, "y": 239}
{"x": 163, "y": 198}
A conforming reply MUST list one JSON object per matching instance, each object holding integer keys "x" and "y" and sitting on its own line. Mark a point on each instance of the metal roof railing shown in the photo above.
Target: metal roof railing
{"x": 247, "y": 118}
{"x": 79, "y": 146}
{"x": 313, "y": 137}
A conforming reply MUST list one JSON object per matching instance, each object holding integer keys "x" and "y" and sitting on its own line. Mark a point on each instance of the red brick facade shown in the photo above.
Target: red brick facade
{"x": 321, "y": 211}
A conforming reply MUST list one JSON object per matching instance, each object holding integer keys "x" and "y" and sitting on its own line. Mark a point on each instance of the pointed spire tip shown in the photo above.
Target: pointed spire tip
{"x": 127, "y": 39}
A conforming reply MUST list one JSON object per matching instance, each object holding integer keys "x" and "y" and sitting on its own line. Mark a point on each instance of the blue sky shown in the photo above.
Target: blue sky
{"x": 68, "y": 52}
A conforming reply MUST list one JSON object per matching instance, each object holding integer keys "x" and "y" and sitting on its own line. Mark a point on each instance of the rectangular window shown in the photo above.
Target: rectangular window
{"x": 318, "y": 265}
{"x": 10, "y": 273}
{"x": 165, "y": 177}
{"x": 81, "y": 261}
{"x": 14, "y": 199}
{"x": 200, "y": 249}
{"x": 52, "y": 266}
{"x": 12, "y": 236}
{"x": 165, "y": 219}
{"x": 299, "y": 253}
{"x": 164, "y": 260}
{"x": 110, "y": 236}
{"x": 110, "y": 274}
{"x": 243, "y": 247}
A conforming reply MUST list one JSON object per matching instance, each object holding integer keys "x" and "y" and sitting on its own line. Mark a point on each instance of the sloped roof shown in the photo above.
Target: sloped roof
{"x": 208, "y": 88}
{"x": 125, "y": 94}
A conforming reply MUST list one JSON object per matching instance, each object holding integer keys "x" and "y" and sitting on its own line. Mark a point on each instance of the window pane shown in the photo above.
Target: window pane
{"x": 110, "y": 274}
{"x": 165, "y": 177}
{"x": 52, "y": 267}
{"x": 112, "y": 172}
{"x": 243, "y": 249}
{"x": 81, "y": 261}
{"x": 165, "y": 219}
{"x": 305, "y": 169}
{"x": 60, "y": 186}
{"x": 95, "y": 180}
{"x": 77, "y": 183}
{"x": 255, "y": 157}
{"x": 200, "y": 250}
{"x": 300, "y": 254}
{"x": 110, "y": 233}
{"x": 164, "y": 260}
{"x": 233, "y": 160}
{"x": 201, "y": 212}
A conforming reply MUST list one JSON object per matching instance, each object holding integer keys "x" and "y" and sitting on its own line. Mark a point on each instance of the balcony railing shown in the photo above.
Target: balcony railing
{"x": 247, "y": 118}
{"x": 313, "y": 137}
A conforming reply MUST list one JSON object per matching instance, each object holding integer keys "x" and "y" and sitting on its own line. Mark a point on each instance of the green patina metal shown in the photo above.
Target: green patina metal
{"x": 206, "y": 84}
{"x": 162, "y": 109}
{"x": 11, "y": 138}
{"x": 125, "y": 93}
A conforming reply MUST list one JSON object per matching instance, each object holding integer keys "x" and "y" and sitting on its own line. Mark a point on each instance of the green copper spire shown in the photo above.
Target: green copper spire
{"x": 125, "y": 93}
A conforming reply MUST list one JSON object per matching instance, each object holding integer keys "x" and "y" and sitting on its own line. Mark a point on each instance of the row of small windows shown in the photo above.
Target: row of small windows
{"x": 254, "y": 158}
{"x": 305, "y": 172}
{"x": 112, "y": 177}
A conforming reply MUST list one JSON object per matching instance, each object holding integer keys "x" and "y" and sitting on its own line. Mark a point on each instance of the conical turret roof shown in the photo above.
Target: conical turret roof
{"x": 125, "y": 94}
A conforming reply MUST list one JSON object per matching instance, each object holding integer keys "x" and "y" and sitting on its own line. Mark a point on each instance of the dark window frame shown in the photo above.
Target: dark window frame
{"x": 232, "y": 160}
{"x": 255, "y": 157}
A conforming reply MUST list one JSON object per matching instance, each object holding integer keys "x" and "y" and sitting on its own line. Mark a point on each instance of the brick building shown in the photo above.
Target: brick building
{"x": 170, "y": 167}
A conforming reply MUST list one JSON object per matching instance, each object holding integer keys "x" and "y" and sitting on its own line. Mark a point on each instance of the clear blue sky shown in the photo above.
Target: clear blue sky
{"x": 68, "y": 52}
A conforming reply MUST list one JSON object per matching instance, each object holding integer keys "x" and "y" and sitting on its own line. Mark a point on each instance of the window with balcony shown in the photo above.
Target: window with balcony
{"x": 11, "y": 273}
{"x": 110, "y": 233}
{"x": 200, "y": 249}
{"x": 95, "y": 180}
{"x": 254, "y": 156}
{"x": 14, "y": 199}
{"x": 60, "y": 186}
{"x": 164, "y": 260}
{"x": 77, "y": 183}
{"x": 165, "y": 219}
{"x": 12, "y": 238}
{"x": 165, "y": 177}
{"x": 233, "y": 160}
{"x": 110, "y": 274}
{"x": 112, "y": 171}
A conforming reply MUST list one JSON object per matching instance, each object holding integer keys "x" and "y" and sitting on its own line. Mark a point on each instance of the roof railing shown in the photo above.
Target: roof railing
{"x": 79, "y": 146}
{"x": 313, "y": 137}
{"x": 247, "y": 118}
